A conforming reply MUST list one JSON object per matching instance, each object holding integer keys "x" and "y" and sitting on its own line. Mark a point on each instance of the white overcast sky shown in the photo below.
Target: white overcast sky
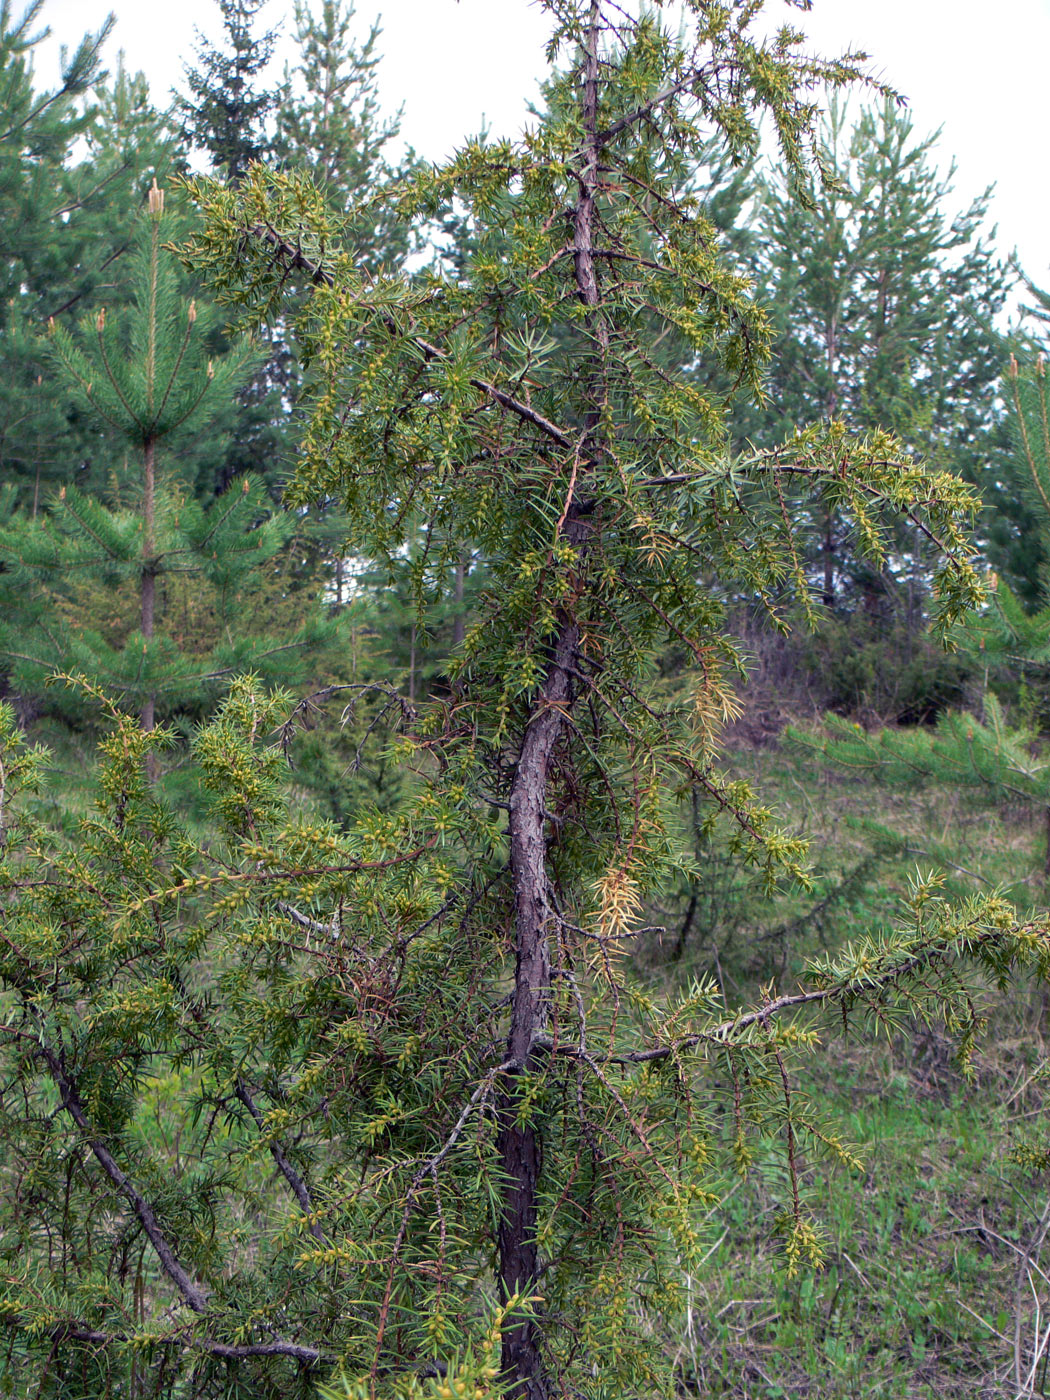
{"x": 978, "y": 72}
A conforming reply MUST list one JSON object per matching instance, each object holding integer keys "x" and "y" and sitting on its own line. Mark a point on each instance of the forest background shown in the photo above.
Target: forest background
{"x": 145, "y": 445}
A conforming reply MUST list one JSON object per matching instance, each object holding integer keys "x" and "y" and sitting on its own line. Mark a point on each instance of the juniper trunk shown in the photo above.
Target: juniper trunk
{"x": 520, "y": 1146}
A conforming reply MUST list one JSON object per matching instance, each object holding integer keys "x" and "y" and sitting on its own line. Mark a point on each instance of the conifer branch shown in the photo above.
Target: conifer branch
{"x": 73, "y": 1330}
{"x": 193, "y": 1294}
{"x": 294, "y": 1180}
{"x": 100, "y": 336}
{"x": 173, "y": 376}
{"x": 295, "y": 258}
{"x": 429, "y": 1168}
{"x": 725, "y": 1034}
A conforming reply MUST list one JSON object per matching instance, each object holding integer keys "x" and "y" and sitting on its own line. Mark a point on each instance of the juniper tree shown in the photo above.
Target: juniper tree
{"x": 432, "y": 1131}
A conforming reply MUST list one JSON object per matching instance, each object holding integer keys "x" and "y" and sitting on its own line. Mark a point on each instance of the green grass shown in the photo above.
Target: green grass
{"x": 927, "y": 1279}
{"x": 922, "y": 1254}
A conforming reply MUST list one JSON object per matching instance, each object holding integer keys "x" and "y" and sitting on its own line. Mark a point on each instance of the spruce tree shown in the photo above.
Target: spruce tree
{"x": 434, "y": 1134}
{"x": 226, "y": 113}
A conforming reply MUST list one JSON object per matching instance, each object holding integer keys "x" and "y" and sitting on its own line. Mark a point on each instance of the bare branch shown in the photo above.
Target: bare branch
{"x": 75, "y": 1331}
{"x": 194, "y": 1295}
{"x": 294, "y": 1180}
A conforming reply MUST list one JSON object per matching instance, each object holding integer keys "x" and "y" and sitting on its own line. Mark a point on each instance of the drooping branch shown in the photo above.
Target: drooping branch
{"x": 874, "y": 983}
{"x": 193, "y": 1294}
{"x": 295, "y": 259}
{"x": 294, "y": 1180}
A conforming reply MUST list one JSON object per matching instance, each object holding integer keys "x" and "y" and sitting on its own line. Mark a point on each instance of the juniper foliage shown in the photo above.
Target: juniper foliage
{"x": 434, "y": 1133}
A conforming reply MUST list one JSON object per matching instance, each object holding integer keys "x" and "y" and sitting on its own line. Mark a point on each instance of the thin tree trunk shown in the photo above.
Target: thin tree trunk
{"x": 520, "y": 1146}
{"x": 831, "y": 404}
{"x": 829, "y": 559}
{"x": 684, "y": 931}
{"x": 149, "y": 577}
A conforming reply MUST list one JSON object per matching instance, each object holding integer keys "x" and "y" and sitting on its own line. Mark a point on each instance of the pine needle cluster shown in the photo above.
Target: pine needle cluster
{"x": 95, "y": 586}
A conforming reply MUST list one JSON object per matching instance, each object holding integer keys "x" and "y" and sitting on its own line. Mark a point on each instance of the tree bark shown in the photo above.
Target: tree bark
{"x": 148, "y": 589}
{"x": 149, "y": 575}
{"x": 520, "y": 1146}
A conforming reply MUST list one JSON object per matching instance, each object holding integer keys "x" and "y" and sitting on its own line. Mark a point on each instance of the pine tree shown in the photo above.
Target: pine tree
{"x": 435, "y": 1134}
{"x": 226, "y": 113}
{"x": 130, "y": 144}
{"x": 330, "y": 122}
{"x": 883, "y": 303}
{"x": 149, "y": 383}
{"x": 1036, "y": 313}
{"x": 44, "y": 238}
{"x": 987, "y": 760}
{"x": 37, "y": 132}
{"x": 1013, "y": 632}
{"x": 1019, "y": 549}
